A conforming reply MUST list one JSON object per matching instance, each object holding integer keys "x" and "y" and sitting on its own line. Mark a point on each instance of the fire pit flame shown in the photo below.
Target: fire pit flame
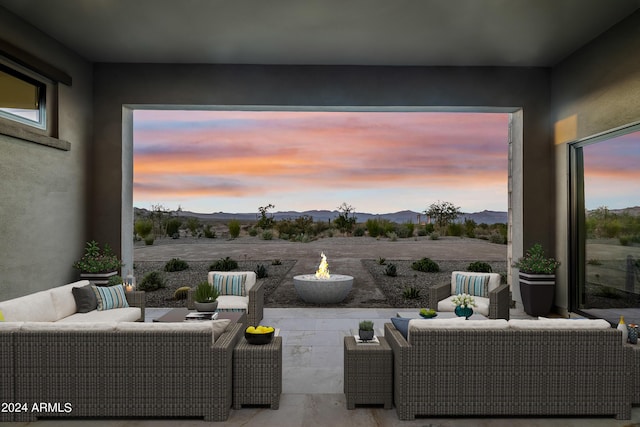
{"x": 323, "y": 268}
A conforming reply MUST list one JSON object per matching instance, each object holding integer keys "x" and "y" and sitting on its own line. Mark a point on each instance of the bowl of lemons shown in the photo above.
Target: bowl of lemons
{"x": 259, "y": 335}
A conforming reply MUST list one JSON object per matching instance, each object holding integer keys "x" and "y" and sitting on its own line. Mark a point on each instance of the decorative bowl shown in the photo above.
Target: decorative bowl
{"x": 428, "y": 314}
{"x": 259, "y": 339}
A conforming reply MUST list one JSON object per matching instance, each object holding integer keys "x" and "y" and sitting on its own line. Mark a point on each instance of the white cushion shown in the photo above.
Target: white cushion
{"x": 482, "y": 305}
{"x": 63, "y": 301}
{"x": 232, "y": 302}
{"x": 559, "y": 324}
{"x": 251, "y": 277}
{"x": 494, "y": 279}
{"x": 216, "y": 327}
{"x": 129, "y": 314}
{"x": 36, "y": 307}
{"x": 68, "y": 326}
{"x": 10, "y": 326}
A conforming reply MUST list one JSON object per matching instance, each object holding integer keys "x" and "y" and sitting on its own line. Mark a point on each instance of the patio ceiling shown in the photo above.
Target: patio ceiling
{"x": 327, "y": 32}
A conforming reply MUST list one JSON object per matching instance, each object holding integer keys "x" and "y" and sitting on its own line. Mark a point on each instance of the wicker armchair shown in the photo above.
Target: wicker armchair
{"x": 499, "y": 298}
{"x": 252, "y": 303}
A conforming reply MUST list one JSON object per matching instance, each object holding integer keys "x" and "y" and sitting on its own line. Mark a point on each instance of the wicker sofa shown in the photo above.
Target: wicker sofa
{"x": 59, "y": 305}
{"x": 124, "y": 369}
{"x": 251, "y": 300}
{"x": 514, "y": 368}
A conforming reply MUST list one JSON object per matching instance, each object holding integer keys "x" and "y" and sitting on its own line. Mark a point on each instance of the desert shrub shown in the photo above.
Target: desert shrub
{"x": 149, "y": 240}
{"x": 181, "y": 293}
{"x": 173, "y": 227}
{"x": 470, "y": 228}
{"x": 454, "y": 229}
{"x": 267, "y": 235}
{"x": 276, "y": 262}
{"x": 253, "y": 232}
{"x": 391, "y": 270}
{"x": 498, "y": 238}
{"x": 392, "y": 236}
{"x": 284, "y": 236}
{"x": 411, "y": 293}
{"x": 426, "y": 265}
{"x": 114, "y": 280}
{"x": 143, "y": 227}
{"x": 434, "y": 236}
{"x": 422, "y": 232}
{"x": 224, "y": 264}
{"x": 429, "y": 228}
{"x": 406, "y": 230}
{"x": 373, "y": 227}
{"x": 152, "y": 281}
{"x": 208, "y": 232}
{"x": 382, "y": 261}
{"x": 479, "y": 267}
{"x": 359, "y": 231}
{"x": 234, "y": 228}
{"x": 261, "y": 271}
{"x": 175, "y": 264}
{"x": 302, "y": 238}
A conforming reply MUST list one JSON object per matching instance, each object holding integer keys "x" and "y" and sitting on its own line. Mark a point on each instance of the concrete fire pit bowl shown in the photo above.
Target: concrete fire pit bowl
{"x": 323, "y": 291}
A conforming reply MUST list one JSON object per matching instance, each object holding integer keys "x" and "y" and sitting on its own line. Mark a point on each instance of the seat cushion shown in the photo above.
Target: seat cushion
{"x": 36, "y": 307}
{"x": 482, "y": 305}
{"x": 129, "y": 314}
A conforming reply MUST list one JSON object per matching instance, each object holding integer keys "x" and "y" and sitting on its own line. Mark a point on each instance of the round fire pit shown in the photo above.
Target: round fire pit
{"x": 323, "y": 291}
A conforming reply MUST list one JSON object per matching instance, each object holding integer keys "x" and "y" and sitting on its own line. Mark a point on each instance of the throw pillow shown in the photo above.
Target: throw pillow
{"x": 473, "y": 285}
{"x": 402, "y": 325}
{"x": 230, "y": 284}
{"x": 110, "y": 297}
{"x": 86, "y": 300}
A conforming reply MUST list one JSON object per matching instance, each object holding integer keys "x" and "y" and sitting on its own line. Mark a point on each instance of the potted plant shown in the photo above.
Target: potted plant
{"x": 98, "y": 264}
{"x": 365, "y": 330}
{"x": 205, "y": 297}
{"x": 537, "y": 281}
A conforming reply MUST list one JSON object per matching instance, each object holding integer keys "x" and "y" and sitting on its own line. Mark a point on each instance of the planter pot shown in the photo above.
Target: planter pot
{"x": 537, "y": 292}
{"x": 365, "y": 335}
{"x": 206, "y": 306}
{"x": 98, "y": 279}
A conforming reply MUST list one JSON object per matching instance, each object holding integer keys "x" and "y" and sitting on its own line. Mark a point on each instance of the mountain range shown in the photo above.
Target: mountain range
{"x": 486, "y": 217}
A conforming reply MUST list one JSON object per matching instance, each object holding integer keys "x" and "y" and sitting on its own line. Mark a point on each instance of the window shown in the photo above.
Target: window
{"x": 22, "y": 98}
{"x": 606, "y": 242}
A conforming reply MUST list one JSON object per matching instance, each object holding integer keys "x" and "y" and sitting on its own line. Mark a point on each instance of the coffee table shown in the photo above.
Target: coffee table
{"x": 178, "y": 315}
{"x": 441, "y": 315}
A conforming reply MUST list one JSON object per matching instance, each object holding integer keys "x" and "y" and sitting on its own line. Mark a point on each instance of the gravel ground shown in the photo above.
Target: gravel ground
{"x": 196, "y": 273}
{"x": 391, "y": 287}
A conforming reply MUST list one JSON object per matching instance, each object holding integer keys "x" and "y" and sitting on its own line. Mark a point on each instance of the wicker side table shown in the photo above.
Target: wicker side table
{"x": 368, "y": 373}
{"x": 257, "y": 373}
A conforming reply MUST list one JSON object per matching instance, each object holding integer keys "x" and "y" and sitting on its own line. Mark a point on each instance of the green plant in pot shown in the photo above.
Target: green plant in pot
{"x": 98, "y": 264}
{"x": 537, "y": 280}
{"x": 365, "y": 330}
{"x": 205, "y": 297}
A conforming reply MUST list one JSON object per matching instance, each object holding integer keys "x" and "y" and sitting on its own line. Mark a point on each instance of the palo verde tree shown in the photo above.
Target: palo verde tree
{"x": 346, "y": 218}
{"x": 443, "y": 213}
{"x": 266, "y": 222}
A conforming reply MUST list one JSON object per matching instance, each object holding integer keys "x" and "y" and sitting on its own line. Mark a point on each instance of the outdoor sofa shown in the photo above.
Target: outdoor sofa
{"x": 117, "y": 369}
{"x": 248, "y": 296}
{"x": 532, "y": 368}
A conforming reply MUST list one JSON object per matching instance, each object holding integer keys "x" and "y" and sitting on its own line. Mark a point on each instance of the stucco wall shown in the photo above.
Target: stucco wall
{"x": 595, "y": 90}
{"x": 42, "y": 189}
{"x": 154, "y": 84}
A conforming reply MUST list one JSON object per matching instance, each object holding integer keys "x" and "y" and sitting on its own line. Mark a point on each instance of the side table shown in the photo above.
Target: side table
{"x": 257, "y": 373}
{"x": 368, "y": 373}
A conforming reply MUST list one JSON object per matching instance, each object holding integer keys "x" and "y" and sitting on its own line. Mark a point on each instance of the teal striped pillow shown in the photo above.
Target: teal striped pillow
{"x": 110, "y": 297}
{"x": 473, "y": 285}
{"x": 230, "y": 284}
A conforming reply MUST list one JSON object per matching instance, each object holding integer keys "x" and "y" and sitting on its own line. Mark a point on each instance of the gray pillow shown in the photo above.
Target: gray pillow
{"x": 402, "y": 325}
{"x": 85, "y": 299}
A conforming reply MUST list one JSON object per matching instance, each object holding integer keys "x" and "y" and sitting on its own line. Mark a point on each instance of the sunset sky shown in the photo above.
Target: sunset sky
{"x": 377, "y": 162}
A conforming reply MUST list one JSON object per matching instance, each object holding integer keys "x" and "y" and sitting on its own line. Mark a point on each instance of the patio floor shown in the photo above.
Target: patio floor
{"x": 313, "y": 381}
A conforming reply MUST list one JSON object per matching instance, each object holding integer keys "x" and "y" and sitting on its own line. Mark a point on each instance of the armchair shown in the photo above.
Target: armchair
{"x": 493, "y": 299}
{"x": 251, "y": 300}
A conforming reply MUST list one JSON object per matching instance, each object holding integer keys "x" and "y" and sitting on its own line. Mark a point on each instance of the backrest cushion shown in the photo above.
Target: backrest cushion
{"x": 402, "y": 325}
{"x": 110, "y": 297}
{"x": 477, "y": 284}
{"x": 63, "y": 301}
{"x": 249, "y": 281}
{"x": 36, "y": 307}
{"x": 554, "y": 324}
{"x": 217, "y": 327}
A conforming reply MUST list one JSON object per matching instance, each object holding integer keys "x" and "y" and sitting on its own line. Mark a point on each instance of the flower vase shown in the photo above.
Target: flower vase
{"x": 465, "y": 312}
